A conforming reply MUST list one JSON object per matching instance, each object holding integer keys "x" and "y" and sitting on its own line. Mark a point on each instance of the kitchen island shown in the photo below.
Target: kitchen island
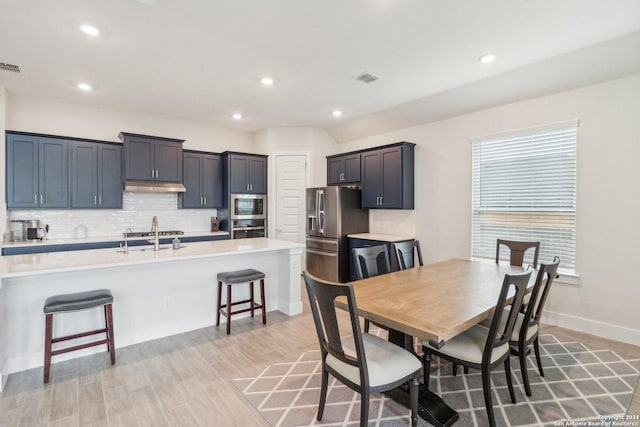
{"x": 156, "y": 293}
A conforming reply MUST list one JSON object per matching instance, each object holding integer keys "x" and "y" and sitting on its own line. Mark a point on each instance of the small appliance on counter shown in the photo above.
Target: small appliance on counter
{"x": 28, "y": 229}
{"x": 215, "y": 223}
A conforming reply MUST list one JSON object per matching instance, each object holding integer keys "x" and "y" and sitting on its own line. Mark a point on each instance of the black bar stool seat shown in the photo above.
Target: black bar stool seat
{"x": 75, "y": 302}
{"x": 78, "y": 301}
{"x": 231, "y": 278}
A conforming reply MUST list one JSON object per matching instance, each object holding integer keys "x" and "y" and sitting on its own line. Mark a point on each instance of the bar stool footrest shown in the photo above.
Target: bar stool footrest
{"x": 79, "y": 347}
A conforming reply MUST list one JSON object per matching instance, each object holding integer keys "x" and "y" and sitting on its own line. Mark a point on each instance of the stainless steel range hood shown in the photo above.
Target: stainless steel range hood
{"x": 154, "y": 187}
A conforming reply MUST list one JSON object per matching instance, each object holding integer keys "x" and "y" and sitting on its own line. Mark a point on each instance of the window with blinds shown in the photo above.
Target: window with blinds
{"x": 524, "y": 188}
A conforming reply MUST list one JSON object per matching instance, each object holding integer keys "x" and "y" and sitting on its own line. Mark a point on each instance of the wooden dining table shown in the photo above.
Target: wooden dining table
{"x": 434, "y": 303}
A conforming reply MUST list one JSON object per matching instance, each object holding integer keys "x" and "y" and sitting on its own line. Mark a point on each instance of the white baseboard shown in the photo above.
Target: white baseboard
{"x": 593, "y": 327}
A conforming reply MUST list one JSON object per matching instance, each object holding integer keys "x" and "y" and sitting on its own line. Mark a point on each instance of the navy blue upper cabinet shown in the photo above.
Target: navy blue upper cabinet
{"x": 96, "y": 175}
{"x": 343, "y": 169}
{"x": 37, "y": 174}
{"x": 247, "y": 173}
{"x": 151, "y": 158}
{"x": 387, "y": 177}
{"x": 203, "y": 180}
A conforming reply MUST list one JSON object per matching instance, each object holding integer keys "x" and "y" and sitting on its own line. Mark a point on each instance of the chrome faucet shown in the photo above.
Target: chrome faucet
{"x": 126, "y": 239}
{"x": 154, "y": 229}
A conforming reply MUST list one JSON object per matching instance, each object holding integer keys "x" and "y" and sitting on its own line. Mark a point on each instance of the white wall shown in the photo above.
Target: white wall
{"x": 42, "y": 116}
{"x": 608, "y": 224}
{"x": 312, "y": 139}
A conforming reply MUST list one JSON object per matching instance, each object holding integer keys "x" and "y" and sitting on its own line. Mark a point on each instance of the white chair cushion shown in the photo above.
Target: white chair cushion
{"x": 386, "y": 361}
{"x": 516, "y": 328}
{"x": 469, "y": 346}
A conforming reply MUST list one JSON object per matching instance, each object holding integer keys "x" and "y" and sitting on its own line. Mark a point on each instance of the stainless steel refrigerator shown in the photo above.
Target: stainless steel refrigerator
{"x": 332, "y": 213}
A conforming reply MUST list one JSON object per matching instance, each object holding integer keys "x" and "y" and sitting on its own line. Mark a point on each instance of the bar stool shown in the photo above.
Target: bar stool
{"x": 75, "y": 302}
{"x": 233, "y": 278}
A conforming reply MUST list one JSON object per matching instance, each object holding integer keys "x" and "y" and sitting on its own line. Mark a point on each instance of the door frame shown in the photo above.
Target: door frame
{"x": 272, "y": 190}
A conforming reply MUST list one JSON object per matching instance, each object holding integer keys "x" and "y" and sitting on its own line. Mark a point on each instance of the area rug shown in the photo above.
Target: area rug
{"x": 582, "y": 383}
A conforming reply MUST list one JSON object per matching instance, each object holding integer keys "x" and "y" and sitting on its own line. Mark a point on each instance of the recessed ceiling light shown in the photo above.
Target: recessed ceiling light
{"x": 237, "y": 116}
{"x": 84, "y": 86}
{"x": 336, "y": 113}
{"x": 267, "y": 81}
{"x": 488, "y": 58}
{"x": 90, "y": 30}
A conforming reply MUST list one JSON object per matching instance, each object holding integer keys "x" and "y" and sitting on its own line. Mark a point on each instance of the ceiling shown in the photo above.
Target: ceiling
{"x": 202, "y": 60}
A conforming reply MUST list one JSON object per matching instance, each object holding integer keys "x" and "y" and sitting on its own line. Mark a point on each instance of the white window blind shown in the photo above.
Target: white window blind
{"x": 524, "y": 188}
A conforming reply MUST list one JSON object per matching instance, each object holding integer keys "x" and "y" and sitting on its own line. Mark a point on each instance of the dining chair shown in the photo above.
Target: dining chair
{"x": 485, "y": 348}
{"x": 526, "y": 329}
{"x": 404, "y": 252}
{"x": 361, "y": 361}
{"x": 518, "y": 248}
{"x": 371, "y": 261}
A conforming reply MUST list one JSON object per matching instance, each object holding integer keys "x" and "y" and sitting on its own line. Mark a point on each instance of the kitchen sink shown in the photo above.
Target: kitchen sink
{"x": 147, "y": 248}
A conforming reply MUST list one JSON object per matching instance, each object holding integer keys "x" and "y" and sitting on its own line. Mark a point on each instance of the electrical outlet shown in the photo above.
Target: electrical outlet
{"x": 165, "y": 302}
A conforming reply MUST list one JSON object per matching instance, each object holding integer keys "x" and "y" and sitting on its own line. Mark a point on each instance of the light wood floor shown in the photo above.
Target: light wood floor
{"x": 182, "y": 380}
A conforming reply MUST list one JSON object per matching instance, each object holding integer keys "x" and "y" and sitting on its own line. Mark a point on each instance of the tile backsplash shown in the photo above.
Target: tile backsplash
{"x": 137, "y": 212}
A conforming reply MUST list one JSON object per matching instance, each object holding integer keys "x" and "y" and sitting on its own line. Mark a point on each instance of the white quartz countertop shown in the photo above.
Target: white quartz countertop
{"x": 48, "y": 242}
{"x": 380, "y": 237}
{"x": 57, "y": 262}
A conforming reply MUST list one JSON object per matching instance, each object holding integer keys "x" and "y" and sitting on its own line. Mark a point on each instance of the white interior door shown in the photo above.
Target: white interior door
{"x": 290, "y": 193}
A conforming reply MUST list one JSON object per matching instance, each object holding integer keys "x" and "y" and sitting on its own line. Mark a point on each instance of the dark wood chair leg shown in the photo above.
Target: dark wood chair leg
{"x": 454, "y": 369}
{"x": 109, "y": 321}
{"x": 486, "y": 390}
{"x": 48, "y": 332}
{"x": 364, "y": 408}
{"x": 263, "y": 303}
{"x": 228, "y": 308}
{"x": 323, "y": 392}
{"x": 538, "y": 360}
{"x": 414, "y": 391}
{"x": 507, "y": 371}
{"x": 466, "y": 369}
{"x": 252, "y": 298}
{"x": 426, "y": 367}
{"x": 366, "y": 325}
{"x": 219, "y": 303}
{"x": 522, "y": 356}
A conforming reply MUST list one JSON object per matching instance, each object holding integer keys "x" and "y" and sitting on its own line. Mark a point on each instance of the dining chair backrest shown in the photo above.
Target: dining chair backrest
{"x": 322, "y": 297}
{"x": 371, "y": 261}
{"x": 546, "y": 274}
{"x": 518, "y": 248}
{"x": 404, "y": 252}
{"x": 499, "y": 332}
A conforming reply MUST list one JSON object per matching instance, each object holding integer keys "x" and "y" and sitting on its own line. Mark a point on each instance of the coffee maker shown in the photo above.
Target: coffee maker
{"x": 27, "y": 229}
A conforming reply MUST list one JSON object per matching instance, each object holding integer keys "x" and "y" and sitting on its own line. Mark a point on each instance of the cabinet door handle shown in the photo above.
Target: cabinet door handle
{"x": 35, "y": 199}
{"x": 205, "y": 201}
{"x": 157, "y": 174}
{"x": 247, "y": 186}
{"x": 381, "y": 200}
{"x": 95, "y": 199}
{"x": 100, "y": 200}
{"x": 200, "y": 201}
{"x": 41, "y": 199}
{"x": 152, "y": 173}
{"x": 251, "y": 186}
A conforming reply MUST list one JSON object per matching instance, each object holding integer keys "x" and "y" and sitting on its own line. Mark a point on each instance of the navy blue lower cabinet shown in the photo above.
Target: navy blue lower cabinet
{"x": 39, "y": 249}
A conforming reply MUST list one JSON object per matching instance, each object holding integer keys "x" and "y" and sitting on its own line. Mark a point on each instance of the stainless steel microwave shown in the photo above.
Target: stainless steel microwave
{"x": 248, "y": 206}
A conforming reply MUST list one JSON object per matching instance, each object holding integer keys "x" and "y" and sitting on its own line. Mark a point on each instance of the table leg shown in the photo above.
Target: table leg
{"x": 430, "y": 406}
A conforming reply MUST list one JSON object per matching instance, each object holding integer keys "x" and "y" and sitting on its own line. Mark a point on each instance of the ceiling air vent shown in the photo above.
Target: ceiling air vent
{"x": 367, "y": 78}
{"x": 9, "y": 67}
